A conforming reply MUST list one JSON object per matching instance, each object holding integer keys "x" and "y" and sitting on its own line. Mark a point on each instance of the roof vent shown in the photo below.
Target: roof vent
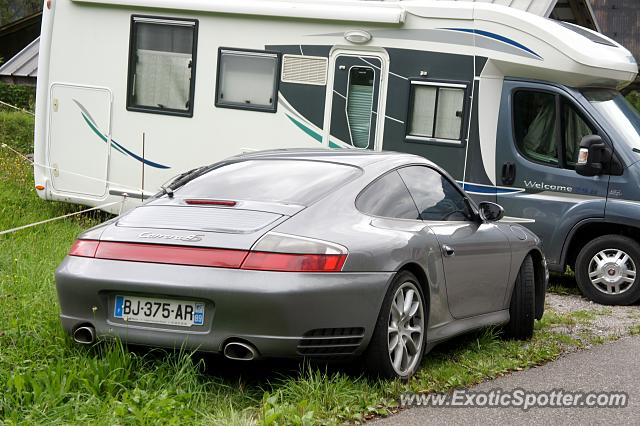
{"x": 304, "y": 69}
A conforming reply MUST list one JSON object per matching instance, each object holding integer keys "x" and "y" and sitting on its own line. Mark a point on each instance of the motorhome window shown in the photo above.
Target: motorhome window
{"x": 534, "y": 120}
{"x": 575, "y": 127}
{"x": 388, "y": 197}
{"x": 359, "y": 105}
{"x": 247, "y": 80}
{"x": 162, "y": 66}
{"x": 436, "y": 111}
{"x": 436, "y": 197}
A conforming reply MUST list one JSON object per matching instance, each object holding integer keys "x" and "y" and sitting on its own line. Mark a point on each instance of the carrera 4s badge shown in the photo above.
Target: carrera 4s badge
{"x": 191, "y": 237}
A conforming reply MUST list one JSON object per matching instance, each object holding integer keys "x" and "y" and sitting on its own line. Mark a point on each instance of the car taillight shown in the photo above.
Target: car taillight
{"x": 176, "y": 255}
{"x": 84, "y": 248}
{"x": 273, "y": 252}
{"x": 294, "y": 262}
{"x": 291, "y": 253}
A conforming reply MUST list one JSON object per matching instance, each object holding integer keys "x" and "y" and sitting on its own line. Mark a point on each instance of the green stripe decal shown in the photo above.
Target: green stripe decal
{"x": 99, "y": 134}
{"x": 121, "y": 149}
{"x": 310, "y": 132}
{"x": 305, "y": 129}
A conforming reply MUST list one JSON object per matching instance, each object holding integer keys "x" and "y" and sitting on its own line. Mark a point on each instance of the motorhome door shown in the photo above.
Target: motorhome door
{"x": 79, "y": 127}
{"x": 536, "y": 153}
{"x": 355, "y": 93}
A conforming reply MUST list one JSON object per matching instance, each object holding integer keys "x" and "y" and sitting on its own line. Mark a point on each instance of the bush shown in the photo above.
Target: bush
{"x": 16, "y": 130}
{"x": 21, "y": 96}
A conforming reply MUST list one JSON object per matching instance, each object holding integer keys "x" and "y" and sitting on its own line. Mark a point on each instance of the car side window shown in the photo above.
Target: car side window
{"x": 436, "y": 196}
{"x": 388, "y": 197}
{"x": 534, "y": 120}
{"x": 574, "y": 129}
{"x": 544, "y": 136}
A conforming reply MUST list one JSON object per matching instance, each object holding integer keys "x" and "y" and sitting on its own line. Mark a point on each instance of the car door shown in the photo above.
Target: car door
{"x": 476, "y": 255}
{"x": 540, "y": 129}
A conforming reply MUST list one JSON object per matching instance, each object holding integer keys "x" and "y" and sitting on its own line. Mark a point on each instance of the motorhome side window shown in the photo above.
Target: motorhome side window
{"x": 542, "y": 134}
{"x": 436, "y": 112}
{"x": 360, "y": 95}
{"x": 162, "y": 66}
{"x": 247, "y": 80}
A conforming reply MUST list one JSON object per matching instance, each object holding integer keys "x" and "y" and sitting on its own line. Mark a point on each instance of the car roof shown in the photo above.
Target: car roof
{"x": 354, "y": 157}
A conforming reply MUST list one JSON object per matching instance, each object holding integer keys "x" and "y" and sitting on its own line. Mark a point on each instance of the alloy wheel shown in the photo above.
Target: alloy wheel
{"x": 406, "y": 328}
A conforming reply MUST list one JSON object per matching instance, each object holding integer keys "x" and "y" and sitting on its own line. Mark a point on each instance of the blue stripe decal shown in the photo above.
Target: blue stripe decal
{"x": 496, "y": 37}
{"x": 137, "y": 157}
{"x": 121, "y": 149}
{"x": 488, "y": 189}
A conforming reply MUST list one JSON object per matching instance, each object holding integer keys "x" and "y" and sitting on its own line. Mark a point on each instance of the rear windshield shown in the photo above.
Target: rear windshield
{"x": 285, "y": 181}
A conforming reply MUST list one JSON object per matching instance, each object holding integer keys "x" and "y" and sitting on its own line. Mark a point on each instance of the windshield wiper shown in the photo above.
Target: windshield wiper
{"x": 188, "y": 176}
{"x": 182, "y": 179}
{"x": 166, "y": 190}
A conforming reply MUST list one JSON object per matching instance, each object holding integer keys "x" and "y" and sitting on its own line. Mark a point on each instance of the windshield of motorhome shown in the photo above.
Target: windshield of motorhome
{"x": 619, "y": 114}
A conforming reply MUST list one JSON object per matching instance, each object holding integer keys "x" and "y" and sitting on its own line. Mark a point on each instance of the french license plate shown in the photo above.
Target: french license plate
{"x": 159, "y": 311}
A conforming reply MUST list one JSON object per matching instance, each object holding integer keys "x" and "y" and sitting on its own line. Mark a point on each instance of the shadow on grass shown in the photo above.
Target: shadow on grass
{"x": 263, "y": 370}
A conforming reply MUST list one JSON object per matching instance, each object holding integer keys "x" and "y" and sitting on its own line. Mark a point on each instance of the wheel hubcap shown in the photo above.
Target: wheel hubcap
{"x": 406, "y": 328}
{"x": 612, "y": 271}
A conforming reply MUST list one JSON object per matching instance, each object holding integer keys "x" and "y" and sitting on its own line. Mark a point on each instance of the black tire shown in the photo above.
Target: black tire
{"x": 522, "y": 309}
{"x": 609, "y": 244}
{"x": 377, "y": 357}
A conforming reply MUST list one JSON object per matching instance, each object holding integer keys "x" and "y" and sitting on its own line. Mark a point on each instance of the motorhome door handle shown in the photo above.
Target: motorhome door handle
{"x": 508, "y": 173}
{"x": 448, "y": 250}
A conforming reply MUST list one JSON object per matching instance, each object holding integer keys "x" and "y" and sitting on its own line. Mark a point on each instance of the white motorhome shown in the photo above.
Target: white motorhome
{"x": 133, "y": 92}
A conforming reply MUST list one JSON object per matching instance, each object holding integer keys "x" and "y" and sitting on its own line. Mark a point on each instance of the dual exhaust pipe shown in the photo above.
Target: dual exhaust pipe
{"x": 85, "y": 335}
{"x": 237, "y": 351}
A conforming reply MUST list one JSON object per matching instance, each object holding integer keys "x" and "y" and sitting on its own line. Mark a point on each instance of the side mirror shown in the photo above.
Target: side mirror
{"x": 490, "y": 212}
{"x": 593, "y": 155}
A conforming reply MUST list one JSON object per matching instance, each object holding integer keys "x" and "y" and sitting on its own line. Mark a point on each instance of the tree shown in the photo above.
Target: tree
{"x": 12, "y": 10}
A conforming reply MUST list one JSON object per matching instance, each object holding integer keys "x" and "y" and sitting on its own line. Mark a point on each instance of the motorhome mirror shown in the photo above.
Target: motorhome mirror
{"x": 593, "y": 155}
{"x": 490, "y": 212}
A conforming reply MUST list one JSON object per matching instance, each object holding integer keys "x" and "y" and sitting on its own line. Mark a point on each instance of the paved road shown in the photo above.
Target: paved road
{"x": 610, "y": 367}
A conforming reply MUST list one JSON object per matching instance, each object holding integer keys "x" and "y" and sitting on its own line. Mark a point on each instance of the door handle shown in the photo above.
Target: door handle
{"x": 508, "y": 173}
{"x": 448, "y": 250}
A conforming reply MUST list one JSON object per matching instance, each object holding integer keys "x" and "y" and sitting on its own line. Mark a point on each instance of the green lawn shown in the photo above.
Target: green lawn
{"x": 46, "y": 379}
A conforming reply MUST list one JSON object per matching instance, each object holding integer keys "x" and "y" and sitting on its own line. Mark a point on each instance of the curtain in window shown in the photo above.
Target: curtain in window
{"x": 449, "y": 119}
{"x": 162, "y": 79}
{"x": 575, "y": 129}
{"x": 359, "y": 104}
{"x": 163, "y": 61}
{"x": 424, "y": 106}
{"x": 540, "y": 139}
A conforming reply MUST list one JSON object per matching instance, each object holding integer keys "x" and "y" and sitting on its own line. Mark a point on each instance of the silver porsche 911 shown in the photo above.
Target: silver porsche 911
{"x": 305, "y": 254}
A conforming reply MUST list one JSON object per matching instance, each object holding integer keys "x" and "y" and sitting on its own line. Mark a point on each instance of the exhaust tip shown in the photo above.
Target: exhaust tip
{"x": 239, "y": 351}
{"x": 85, "y": 335}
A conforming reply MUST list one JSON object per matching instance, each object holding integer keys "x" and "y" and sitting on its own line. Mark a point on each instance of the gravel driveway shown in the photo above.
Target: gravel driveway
{"x": 585, "y": 318}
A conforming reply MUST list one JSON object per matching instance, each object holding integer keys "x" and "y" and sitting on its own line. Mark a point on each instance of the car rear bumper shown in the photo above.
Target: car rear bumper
{"x": 277, "y": 312}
